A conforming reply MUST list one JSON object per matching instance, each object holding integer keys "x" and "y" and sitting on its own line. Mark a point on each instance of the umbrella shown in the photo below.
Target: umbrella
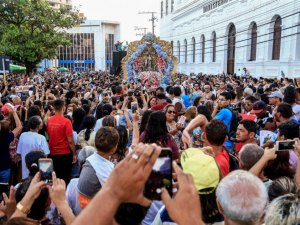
{"x": 63, "y": 69}
{"x": 50, "y": 69}
{"x": 17, "y": 68}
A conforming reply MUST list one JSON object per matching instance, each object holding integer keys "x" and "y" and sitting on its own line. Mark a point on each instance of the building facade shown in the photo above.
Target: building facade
{"x": 59, "y": 3}
{"x": 92, "y": 46}
{"x": 216, "y": 36}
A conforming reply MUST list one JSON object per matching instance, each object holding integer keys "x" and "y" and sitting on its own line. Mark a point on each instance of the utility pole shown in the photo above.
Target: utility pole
{"x": 144, "y": 29}
{"x": 153, "y": 19}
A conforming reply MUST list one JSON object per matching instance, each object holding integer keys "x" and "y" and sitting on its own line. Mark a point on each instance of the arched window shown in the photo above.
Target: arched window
{"x": 178, "y": 50}
{"x": 214, "y": 46}
{"x": 167, "y": 7}
{"x": 276, "y": 39}
{"x": 185, "y": 50}
{"x": 172, "y": 5}
{"x": 194, "y": 49}
{"x": 202, "y": 48}
{"x": 253, "y": 42}
{"x": 161, "y": 9}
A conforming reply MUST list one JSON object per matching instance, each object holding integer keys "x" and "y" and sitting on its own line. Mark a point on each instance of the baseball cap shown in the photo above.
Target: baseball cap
{"x": 276, "y": 94}
{"x": 248, "y": 91}
{"x": 202, "y": 167}
{"x": 258, "y": 107}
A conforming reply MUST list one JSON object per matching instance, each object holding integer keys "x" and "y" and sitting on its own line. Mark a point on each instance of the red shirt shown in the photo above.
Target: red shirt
{"x": 223, "y": 161}
{"x": 59, "y": 129}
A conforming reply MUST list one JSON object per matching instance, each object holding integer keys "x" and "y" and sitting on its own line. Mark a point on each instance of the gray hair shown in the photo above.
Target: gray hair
{"x": 249, "y": 155}
{"x": 284, "y": 210}
{"x": 242, "y": 196}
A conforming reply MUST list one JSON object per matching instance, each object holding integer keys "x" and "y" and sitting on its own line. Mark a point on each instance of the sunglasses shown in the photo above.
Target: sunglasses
{"x": 171, "y": 112}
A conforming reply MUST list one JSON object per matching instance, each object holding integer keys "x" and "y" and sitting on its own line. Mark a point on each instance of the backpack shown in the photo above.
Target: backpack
{"x": 234, "y": 122}
{"x": 233, "y": 162}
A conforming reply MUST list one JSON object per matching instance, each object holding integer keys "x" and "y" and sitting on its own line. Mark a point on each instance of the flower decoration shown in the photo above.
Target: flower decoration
{"x": 164, "y": 63}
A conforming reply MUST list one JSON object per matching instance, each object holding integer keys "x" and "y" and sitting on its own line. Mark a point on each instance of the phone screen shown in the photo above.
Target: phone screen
{"x": 46, "y": 169}
{"x": 161, "y": 176}
{"x": 285, "y": 145}
{"x": 134, "y": 107}
{"x": 4, "y": 188}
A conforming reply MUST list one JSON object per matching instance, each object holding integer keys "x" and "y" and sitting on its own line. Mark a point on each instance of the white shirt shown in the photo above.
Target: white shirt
{"x": 28, "y": 142}
{"x": 72, "y": 196}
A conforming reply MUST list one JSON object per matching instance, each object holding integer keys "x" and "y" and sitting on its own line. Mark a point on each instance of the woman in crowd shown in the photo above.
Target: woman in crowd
{"x": 86, "y": 137}
{"x": 173, "y": 127}
{"x": 152, "y": 102}
{"x": 157, "y": 132}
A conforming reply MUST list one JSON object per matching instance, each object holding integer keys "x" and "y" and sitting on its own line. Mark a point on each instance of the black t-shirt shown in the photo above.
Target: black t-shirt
{"x": 5, "y": 161}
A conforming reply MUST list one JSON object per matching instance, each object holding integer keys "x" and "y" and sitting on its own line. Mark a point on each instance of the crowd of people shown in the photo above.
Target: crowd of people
{"x": 104, "y": 134}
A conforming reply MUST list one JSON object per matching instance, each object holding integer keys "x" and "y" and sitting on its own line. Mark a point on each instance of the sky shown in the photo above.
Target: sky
{"x": 123, "y": 11}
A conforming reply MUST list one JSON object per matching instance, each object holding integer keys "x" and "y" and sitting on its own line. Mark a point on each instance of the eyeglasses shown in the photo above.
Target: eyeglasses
{"x": 171, "y": 112}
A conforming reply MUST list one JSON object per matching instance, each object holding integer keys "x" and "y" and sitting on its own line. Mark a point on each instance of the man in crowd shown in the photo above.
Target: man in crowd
{"x": 214, "y": 136}
{"x": 242, "y": 198}
{"x": 32, "y": 141}
{"x": 262, "y": 115}
{"x": 61, "y": 142}
{"x": 98, "y": 167}
{"x": 284, "y": 113}
{"x": 245, "y": 134}
{"x": 275, "y": 99}
{"x": 221, "y": 112}
{"x": 161, "y": 102}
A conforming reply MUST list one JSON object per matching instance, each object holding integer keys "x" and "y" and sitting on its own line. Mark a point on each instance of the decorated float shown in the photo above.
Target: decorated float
{"x": 149, "y": 60}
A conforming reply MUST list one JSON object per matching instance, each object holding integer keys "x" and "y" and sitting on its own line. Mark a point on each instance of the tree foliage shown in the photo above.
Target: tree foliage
{"x": 31, "y": 30}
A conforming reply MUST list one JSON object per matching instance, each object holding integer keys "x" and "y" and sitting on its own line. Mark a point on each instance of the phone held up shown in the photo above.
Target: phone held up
{"x": 134, "y": 107}
{"x": 284, "y": 145}
{"x": 161, "y": 176}
{"x": 46, "y": 169}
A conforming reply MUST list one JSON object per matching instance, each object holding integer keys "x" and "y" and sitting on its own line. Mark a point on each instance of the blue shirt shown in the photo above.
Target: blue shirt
{"x": 186, "y": 101}
{"x": 225, "y": 115}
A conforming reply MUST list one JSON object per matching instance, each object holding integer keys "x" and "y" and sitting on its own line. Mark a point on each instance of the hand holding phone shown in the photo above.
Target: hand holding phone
{"x": 134, "y": 107}
{"x": 161, "y": 176}
{"x": 284, "y": 145}
{"x": 46, "y": 169}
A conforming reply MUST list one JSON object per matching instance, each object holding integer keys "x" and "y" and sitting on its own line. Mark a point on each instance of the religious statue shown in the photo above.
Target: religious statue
{"x": 148, "y": 63}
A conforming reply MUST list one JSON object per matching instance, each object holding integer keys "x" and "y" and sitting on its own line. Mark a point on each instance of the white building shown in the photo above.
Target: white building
{"x": 215, "y": 36}
{"x": 59, "y": 3}
{"x": 92, "y": 46}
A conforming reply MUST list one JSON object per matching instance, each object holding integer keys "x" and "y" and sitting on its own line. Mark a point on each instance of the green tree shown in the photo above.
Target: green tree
{"x": 31, "y": 30}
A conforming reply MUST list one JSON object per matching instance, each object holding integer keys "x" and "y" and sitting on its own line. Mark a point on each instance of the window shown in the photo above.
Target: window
{"x": 185, "y": 50}
{"x": 214, "y": 46}
{"x": 276, "y": 39}
{"x": 253, "y": 42}
{"x": 109, "y": 46}
{"x": 161, "y": 9}
{"x": 202, "y": 48}
{"x": 194, "y": 49}
{"x": 178, "y": 50}
{"x": 167, "y": 6}
{"x": 172, "y": 5}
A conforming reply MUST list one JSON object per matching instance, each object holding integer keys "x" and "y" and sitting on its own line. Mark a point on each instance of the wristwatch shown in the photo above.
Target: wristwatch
{"x": 23, "y": 209}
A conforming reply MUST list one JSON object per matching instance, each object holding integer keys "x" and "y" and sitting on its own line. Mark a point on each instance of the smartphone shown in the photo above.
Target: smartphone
{"x": 30, "y": 93}
{"x": 46, "y": 169}
{"x": 284, "y": 145}
{"x": 161, "y": 176}
{"x": 134, "y": 107}
{"x": 182, "y": 120}
{"x": 4, "y": 188}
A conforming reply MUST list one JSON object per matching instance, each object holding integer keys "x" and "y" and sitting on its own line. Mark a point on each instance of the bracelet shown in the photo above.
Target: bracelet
{"x": 23, "y": 209}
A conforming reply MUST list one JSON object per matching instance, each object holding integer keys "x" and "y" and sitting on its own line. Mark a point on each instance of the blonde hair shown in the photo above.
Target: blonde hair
{"x": 284, "y": 210}
{"x": 191, "y": 113}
